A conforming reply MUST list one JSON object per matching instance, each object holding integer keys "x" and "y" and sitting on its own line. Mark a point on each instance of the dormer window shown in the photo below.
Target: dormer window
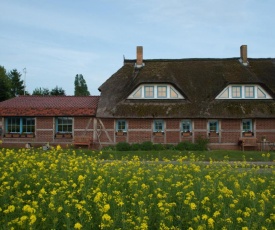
{"x": 243, "y": 92}
{"x": 155, "y": 91}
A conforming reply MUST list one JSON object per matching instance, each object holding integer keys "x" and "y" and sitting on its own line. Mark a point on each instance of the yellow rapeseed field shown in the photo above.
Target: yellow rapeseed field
{"x": 62, "y": 189}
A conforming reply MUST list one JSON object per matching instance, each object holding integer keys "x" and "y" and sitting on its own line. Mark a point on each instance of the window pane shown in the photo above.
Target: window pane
{"x": 249, "y": 91}
{"x": 28, "y": 125}
{"x": 13, "y": 124}
{"x": 261, "y": 94}
{"x": 137, "y": 93}
{"x": 225, "y": 94}
{"x": 173, "y": 94}
{"x": 186, "y": 126}
{"x": 149, "y": 91}
{"x": 236, "y": 91}
{"x": 121, "y": 125}
{"x": 162, "y": 91}
{"x": 247, "y": 125}
{"x": 64, "y": 124}
{"x": 158, "y": 125}
{"x": 213, "y": 126}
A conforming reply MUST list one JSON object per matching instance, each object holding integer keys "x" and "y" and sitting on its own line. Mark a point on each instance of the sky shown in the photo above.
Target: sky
{"x": 57, "y": 39}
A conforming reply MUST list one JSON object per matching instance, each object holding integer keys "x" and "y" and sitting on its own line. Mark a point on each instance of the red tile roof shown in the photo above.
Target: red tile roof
{"x": 49, "y": 106}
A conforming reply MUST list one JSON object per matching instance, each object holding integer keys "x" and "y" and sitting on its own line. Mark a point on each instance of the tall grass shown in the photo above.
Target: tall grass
{"x": 64, "y": 189}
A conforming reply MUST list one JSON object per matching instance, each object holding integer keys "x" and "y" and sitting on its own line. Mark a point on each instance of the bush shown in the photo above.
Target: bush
{"x": 123, "y": 146}
{"x": 201, "y": 143}
{"x": 146, "y": 146}
{"x": 185, "y": 145}
{"x": 158, "y": 147}
{"x": 135, "y": 147}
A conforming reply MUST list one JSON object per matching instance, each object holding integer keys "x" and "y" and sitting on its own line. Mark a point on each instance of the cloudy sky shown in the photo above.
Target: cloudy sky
{"x": 57, "y": 39}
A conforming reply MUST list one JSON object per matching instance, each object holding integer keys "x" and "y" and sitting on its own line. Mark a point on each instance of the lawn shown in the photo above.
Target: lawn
{"x": 84, "y": 189}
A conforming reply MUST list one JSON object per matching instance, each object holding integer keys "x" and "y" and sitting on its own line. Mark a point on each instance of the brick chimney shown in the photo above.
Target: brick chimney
{"x": 139, "y": 62}
{"x": 243, "y": 50}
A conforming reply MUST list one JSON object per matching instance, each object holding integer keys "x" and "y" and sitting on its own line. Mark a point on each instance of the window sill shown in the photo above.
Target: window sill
{"x": 213, "y": 134}
{"x": 121, "y": 133}
{"x": 158, "y": 134}
{"x": 63, "y": 136}
{"x": 186, "y": 134}
{"x": 248, "y": 134}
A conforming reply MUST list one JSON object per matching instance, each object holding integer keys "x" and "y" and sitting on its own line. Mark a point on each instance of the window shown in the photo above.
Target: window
{"x": 236, "y": 91}
{"x": 121, "y": 125}
{"x": 213, "y": 126}
{"x": 186, "y": 126}
{"x": 158, "y": 126}
{"x": 249, "y": 91}
{"x": 155, "y": 91}
{"x": 64, "y": 124}
{"x": 162, "y": 91}
{"x": 247, "y": 125}
{"x": 20, "y": 125}
{"x": 149, "y": 91}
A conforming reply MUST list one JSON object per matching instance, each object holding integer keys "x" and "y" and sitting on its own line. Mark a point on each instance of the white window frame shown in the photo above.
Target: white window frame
{"x": 243, "y": 93}
{"x": 155, "y": 92}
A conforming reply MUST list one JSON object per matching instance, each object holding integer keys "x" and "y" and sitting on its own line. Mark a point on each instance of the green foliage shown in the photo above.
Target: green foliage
{"x": 185, "y": 145}
{"x": 16, "y": 84}
{"x": 80, "y": 86}
{"x": 57, "y": 91}
{"x": 5, "y": 85}
{"x": 201, "y": 143}
{"x": 158, "y": 147}
{"x": 135, "y": 147}
{"x": 41, "y": 91}
{"x": 123, "y": 146}
{"x": 146, "y": 146}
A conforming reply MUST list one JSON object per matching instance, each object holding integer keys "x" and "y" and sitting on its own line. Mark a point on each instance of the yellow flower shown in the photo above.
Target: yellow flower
{"x": 58, "y": 147}
{"x": 211, "y": 223}
{"x": 193, "y": 206}
{"x": 77, "y": 226}
{"x": 32, "y": 219}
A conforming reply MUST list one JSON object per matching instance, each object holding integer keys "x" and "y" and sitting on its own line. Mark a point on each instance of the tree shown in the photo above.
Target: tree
{"x": 57, "y": 91}
{"x": 41, "y": 91}
{"x": 80, "y": 86}
{"x": 4, "y": 85}
{"x": 16, "y": 84}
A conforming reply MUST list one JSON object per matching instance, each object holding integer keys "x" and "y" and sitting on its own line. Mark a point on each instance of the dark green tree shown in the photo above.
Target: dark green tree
{"x": 41, "y": 91}
{"x": 57, "y": 91}
{"x": 80, "y": 86}
{"x": 16, "y": 84}
{"x": 4, "y": 85}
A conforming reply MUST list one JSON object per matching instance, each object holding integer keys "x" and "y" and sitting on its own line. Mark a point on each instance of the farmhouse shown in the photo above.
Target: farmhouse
{"x": 161, "y": 100}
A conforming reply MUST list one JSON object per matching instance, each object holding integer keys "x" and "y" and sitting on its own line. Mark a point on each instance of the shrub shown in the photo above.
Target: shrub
{"x": 158, "y": 147}
{"x": 169, "y": 147}
{"x": 135, "y": 147}
{"x": 185, "y": 145}
{"x": 147, "y": 145}
{"x": 201, "y": 143}
{"x": 123, "y": 146}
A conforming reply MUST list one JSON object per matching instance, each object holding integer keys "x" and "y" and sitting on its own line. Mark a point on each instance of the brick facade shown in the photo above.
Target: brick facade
{"x": 103, "y": 132}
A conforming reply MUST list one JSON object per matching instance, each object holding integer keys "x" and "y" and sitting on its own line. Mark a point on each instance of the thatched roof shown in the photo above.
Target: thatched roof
{"x": 198, "y": 80}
